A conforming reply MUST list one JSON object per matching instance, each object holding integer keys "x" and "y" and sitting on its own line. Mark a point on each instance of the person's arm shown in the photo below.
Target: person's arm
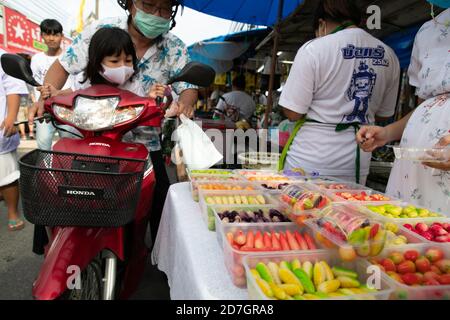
{"x": 188, "y": 94}
{"x": 56, "y": 76}
{"x": 372, "y": 137}
{"x": 292, "y": 116}
{"x": 13, "y": 88}
{"x": 186, "y": 102}
{"x": 388, "y": 104}
{"x": 445, "y": 166}
{"x": 13, "y": 104}
{"x": 298, "y": 92}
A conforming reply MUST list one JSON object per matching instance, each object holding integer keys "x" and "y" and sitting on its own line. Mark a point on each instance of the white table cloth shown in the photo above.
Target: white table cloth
{"x": 189, "y": 254}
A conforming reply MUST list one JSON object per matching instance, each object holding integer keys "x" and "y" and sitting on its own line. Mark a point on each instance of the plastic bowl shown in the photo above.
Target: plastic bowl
{"x": 360, "y": 266}
{"x": 344, "y": 228}
{"x": 405, "y": 292}
{"x": 233, "y": 257}
{"x": 208, "y": 200}
{"x": 373, "y": 210}
{"x": 433, "y": 155}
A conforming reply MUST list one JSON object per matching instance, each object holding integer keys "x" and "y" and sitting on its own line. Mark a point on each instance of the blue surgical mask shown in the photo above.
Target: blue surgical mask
{"x": 440, "y": 3}
{"x": 149, "y": 25}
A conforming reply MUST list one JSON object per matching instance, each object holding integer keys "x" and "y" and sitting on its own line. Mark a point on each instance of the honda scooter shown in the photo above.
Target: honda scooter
{"x": 93, "y": 194}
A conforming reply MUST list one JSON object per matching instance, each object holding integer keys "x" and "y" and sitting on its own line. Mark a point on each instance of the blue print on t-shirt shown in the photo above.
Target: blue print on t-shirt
{"x": 361, "y": 89}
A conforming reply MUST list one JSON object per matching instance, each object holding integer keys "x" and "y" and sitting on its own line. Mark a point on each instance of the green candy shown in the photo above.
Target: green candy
{"x": 305, "y": 280}
{"x": 264, "y": 272}
{"x": 342, "y": 272}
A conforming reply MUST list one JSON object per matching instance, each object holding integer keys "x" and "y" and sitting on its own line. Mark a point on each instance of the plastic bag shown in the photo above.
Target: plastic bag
{"x": 198, "y": 150}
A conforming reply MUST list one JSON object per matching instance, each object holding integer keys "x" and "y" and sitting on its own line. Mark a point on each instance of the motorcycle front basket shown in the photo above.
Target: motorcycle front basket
{"x": 67, "y": 189}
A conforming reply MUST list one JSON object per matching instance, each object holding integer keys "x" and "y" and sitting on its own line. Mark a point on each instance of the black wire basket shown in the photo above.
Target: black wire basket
{"x": 66, "y": 189}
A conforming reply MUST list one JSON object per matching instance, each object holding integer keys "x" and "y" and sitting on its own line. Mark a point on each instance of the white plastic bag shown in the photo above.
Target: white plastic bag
{"x": 199, "y": 152}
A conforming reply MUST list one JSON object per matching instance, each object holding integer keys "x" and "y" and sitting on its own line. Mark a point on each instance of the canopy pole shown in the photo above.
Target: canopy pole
{"x": 276, "y": 40}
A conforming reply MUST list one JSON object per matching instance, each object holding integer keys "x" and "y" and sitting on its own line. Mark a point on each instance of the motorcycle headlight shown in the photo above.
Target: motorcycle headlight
{"x": 97, "y": 114}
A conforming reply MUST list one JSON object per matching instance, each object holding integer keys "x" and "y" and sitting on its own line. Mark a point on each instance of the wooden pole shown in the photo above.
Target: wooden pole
{"x": 276, "y": 40}
{"x": 97, "y": 9}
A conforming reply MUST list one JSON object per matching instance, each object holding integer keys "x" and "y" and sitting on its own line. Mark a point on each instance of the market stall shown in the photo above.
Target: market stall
{"x": 266, "y": 235}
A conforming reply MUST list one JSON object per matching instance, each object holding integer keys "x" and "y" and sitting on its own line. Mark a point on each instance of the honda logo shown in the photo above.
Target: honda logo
{"x": 80, "y": 192}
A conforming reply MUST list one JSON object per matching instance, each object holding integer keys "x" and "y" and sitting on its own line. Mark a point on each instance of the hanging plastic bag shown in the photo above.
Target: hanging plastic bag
{"x": 198, "y": 150}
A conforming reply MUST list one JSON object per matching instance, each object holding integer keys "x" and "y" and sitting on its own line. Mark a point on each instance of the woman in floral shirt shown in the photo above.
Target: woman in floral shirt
{"x": 161, "y": 55}
{"x": 423, "y": 184}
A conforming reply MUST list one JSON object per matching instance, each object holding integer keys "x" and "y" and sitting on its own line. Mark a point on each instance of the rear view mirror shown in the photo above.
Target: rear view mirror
{"x": 18, "y": 67}
{"x": 197, "y": 74}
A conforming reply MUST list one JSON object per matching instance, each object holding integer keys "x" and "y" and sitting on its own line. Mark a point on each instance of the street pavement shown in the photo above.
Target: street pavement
{"x": 19, "y": 266}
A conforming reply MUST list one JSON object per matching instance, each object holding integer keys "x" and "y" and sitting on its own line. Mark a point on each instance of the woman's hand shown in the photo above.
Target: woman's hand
{"x": 8, "y": 127}
{"x": 372, "y": 137}
{"x": 445, "y": 166}
{"x": 48, "y": 91}
{"x": 157, "y": 90}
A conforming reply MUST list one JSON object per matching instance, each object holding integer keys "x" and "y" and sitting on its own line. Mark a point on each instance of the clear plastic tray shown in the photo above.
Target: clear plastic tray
{"x": 366, "y": 210}
{"x": 274, "y": 185}
{"x": 214, "y": 172}
{"x": 405, "y": 292}
{"x": 428, "y": 222}
{"x": 207, "y": 208}
{"x": 434, "y": 155}
{"x": 338, "y": 199}
{"x": 221, "y": 185}
{"x": 247, "y": 173}
{"x": 233, "y": 257}
{"x": 332, "y": 185}
{"x": 360, "y": 266}
{"x": 266, "y": 176}
{"x": 222, "y": 228}
{"x": 297, "y": 213}
{"x": 351, "y": 223}
{"x": 392, "y": 240}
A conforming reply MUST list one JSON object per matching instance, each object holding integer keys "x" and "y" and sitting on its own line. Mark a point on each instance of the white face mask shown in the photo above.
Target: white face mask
{"x": 117, "y": 75}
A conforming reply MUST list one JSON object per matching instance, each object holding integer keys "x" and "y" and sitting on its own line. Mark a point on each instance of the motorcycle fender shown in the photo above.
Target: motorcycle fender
{"x": 71, "y": 250}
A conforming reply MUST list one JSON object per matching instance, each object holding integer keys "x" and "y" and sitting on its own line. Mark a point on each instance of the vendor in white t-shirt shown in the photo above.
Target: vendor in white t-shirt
{"x": 237, "y": 104}
{"x": 339, "y": 81}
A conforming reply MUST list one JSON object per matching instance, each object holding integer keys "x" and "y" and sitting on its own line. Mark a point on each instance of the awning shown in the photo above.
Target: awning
{"x": 255, "y": 12}
{"x": 220, "y": 52}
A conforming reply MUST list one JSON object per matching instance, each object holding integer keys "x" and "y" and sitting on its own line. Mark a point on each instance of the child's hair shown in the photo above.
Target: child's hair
{"x": 107, "y": 42}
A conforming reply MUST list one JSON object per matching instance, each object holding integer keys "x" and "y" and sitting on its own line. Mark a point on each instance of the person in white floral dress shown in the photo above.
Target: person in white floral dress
{"x": 161, "y": 56}
{"x": 422, "y": 184}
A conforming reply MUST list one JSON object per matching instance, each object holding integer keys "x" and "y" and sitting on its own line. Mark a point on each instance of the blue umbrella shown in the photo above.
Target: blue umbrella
{"x": 255, "y": 12}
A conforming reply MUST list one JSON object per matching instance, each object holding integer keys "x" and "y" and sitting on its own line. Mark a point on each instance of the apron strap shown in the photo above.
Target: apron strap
{"x": 339, "y": 128}
{"x": 356, "y": 126}
{"x": 298, "y": 126}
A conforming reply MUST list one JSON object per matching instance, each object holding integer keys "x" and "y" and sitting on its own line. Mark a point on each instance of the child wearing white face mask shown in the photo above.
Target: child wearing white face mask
{"x": 112, "y": 61}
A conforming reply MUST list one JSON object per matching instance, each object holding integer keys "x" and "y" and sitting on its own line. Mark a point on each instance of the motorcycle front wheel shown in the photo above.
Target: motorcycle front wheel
{"x": 91, "y": 284}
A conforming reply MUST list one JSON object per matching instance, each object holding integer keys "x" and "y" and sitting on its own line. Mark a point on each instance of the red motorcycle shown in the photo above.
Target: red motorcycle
{"x": 93, "y": 194}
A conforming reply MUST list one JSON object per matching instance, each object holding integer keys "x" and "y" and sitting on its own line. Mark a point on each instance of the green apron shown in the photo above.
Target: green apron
{"x": 339, "y": 128}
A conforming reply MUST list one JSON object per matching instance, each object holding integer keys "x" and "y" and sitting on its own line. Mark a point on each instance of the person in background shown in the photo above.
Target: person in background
{"x": 343, "y": 79}
{"x": 260, "y": 98}
{"x": 52, "y": 33}
{"x": 10, "y": 91}
{"x": 26, "y": 101}
{"x": 161, "y": 56}
{"x": 237, "y": 104}
{"x": 423, "y": 184}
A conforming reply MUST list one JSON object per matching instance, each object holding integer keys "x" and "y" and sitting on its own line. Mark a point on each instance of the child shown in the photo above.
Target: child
{"x": 10, "y": 91}
{"x": 112, "y": 61}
